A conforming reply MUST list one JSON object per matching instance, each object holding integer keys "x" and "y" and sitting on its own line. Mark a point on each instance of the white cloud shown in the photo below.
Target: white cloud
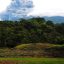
{"x": 17, "y": 9}
{"x": 48, "y": 8}
{"x": 4, "y": 4}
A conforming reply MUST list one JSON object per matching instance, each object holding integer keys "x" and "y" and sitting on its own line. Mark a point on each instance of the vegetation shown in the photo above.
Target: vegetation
{"x": 34, "y": 30}
{"x": 37, "y": 50}
{"x": 32, "y": 60}
{"x": 30, "y": 40}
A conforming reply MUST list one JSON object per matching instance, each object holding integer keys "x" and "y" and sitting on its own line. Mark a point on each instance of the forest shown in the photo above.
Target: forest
{"x": 34, "y": 30}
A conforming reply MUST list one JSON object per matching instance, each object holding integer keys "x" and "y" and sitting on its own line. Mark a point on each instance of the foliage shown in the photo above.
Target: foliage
{"x": 34, "y": 30}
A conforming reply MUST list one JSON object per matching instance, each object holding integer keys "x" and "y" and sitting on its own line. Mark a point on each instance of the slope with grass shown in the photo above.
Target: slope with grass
{"x": 34, "y": 50}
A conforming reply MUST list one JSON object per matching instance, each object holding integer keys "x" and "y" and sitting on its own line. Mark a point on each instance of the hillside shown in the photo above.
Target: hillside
{"x": 33, "y": 50}
{"x": 33, "y": 37}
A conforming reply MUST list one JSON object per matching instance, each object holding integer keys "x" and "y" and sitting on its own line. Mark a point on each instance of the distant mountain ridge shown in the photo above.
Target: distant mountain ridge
{"x": 55, "y": 19}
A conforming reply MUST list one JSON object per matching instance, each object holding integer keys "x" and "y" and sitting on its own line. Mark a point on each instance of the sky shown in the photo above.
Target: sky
{"x": 4, "y": 4}
{"x": 15, "y": 9}
{"x": 48, "y": 8}
{"x": 40, "y": 7}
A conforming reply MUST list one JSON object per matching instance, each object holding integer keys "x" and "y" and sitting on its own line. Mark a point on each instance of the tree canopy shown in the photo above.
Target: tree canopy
{"x": 34, "y": 30}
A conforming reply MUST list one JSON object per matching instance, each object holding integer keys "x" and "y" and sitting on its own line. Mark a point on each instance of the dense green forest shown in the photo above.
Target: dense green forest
{"x": 34, "y": 30}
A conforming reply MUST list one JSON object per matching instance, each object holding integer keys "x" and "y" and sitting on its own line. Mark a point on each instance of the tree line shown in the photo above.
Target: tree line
{"x": 34, "y": 30}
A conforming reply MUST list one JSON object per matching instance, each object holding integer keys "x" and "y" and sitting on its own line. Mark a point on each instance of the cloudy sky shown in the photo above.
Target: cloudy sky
{"x": 48, "y": 7}
{"x": 4, "y": 4}
{"x": 40, "y": 7}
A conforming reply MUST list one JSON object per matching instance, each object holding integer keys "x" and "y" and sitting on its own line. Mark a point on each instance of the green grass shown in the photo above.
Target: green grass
{"x": 35, "y": 60}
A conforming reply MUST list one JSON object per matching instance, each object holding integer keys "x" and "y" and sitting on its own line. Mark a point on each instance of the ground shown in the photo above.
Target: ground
{"x": 31, "y": 60}
{"x": 33, "y": 54}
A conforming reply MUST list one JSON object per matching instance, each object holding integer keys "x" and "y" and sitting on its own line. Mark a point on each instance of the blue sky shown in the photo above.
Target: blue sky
{"x": 13, "y": 9}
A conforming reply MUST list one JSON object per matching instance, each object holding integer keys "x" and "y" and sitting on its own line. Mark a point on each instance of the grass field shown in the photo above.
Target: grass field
{"x": 31, "y": 60}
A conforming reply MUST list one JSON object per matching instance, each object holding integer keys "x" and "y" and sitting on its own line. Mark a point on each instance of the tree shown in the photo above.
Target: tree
{"x": 50, "y": 23}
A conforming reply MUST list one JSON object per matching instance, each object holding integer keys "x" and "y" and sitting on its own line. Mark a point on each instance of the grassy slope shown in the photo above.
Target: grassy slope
{"x": 34, "y": 50}
{"x": 37, "y": 46}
